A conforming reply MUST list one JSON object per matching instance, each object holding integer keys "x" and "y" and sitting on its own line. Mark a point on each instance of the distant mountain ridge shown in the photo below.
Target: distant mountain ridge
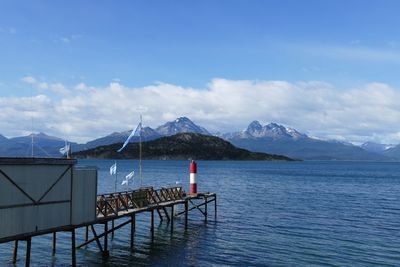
{"x": 376, "y": 147}
{"x": 180, "y": 125}
{"x": 393, "y": 152}
{"x": 272, "y": 130}
{"x": 43, "y": 145}
{"x": 277, "y": 139}
{"x": 270, "y": 138}
{"x": 181, "y": 146}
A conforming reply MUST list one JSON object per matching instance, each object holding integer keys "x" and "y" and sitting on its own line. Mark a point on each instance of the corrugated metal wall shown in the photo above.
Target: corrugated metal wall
{"x": 84, "y": 194}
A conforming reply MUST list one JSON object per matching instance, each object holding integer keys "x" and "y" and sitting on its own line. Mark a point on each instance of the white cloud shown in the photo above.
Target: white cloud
{"x": 84, "y": 112}
{"x": 56, "y": 88}
{"x": 28, "y": 79}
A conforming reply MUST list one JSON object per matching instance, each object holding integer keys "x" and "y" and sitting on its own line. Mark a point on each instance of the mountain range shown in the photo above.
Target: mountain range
{"x": 278, "y": 139}
{"x": 181, "y": 146}
{"x": 271, "y": 138}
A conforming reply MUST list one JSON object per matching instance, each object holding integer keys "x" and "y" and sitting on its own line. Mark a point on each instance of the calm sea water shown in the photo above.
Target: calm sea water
{"x": 270, "y": 214}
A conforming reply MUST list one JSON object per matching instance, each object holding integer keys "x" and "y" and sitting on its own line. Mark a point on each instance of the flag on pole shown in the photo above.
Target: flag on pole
{"x": 133, "y": 133}
{"x": 127, "y": 178}
{"x": 113, "y": 169}
{"x": 130, "y": 175}
{"x": 64, "y": 150}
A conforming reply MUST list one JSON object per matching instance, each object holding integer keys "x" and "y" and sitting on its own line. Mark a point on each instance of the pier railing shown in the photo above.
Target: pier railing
{"x": 114, "y": 203}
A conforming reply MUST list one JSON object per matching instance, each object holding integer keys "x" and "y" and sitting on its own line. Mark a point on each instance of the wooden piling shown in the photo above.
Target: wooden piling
{"x": 73, "y": 247}
{"x": 15, "y": 252}
{"x": 54, "y": 243}
{"x": 112, "y": 227}
{"x": 186, "y": 213}
{"x": 86, "y": 233}
{"x": 133, "y": 226}
{"x": 28, "y": 252}
{"x": 152, "y": 224}
{"x": 215, "y": 207}
{"x": 205, "y": 209}
{"x": 172, "y": 219}
{"x": 105, "y": 247}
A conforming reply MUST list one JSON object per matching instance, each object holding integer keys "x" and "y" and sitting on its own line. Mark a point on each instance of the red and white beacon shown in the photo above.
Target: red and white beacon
{"x": 193, "y": 173}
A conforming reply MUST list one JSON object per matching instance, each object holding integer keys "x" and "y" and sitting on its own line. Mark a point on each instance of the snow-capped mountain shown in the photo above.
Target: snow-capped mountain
{"x": 180, "y": 125}
{"x": 393, "y": 152}
{"x": 278, "y": 139}
{"x": 272, "y": 130}
{"x": 376, "y": 147}
{"x": 272, "y": 138}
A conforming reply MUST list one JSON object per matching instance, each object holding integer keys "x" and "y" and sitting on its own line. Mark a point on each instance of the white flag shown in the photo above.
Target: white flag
{"x": 130, "y": 175}
{"x": 133, "y": 133}
{"x": 113, "y": 169}
{"x": 64, "y": 150}
{"x": 127, "y": 178}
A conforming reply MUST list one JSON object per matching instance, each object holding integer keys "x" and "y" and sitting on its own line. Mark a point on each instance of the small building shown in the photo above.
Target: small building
{"x": 44, "y": 195}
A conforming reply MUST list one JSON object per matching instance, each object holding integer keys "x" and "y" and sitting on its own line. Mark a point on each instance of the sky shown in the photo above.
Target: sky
{"x": 83, "y": 69}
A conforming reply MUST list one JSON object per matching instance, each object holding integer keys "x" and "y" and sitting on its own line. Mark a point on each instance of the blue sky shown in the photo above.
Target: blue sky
{"x": 344, "y": 44}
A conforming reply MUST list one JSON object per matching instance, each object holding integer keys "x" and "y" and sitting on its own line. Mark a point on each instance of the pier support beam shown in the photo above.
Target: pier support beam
{"x": 215, "y": 207}
{"x": 112, "y": 227}
{"x": 172, "y": 219}
{"x": 133, "y": 228}
{"x": 86, "y": 233}
{"x": 152, "y": 224}
{"x": 186, "y": 213}
{"x": 73, "y": 247}
{"x": 15, "y": 252}
{"x": 53, "y": 252}
{"x": 105, "y": 247}
{"x": 28, "y": 252}
{"x": 97, "y": 239}
{"x": 205, "y": 209}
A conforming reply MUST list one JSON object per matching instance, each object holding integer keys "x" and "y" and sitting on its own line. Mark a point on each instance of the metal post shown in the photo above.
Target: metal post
{"x": 186, "y": 213}
{"x": 152, "y": 224}
{"x": 15, "y": 252}
{"x": 28, "y": 252}
{"x": 54, "y": 243}
{"x": 105, "y": 252}
{"x": 133, "y": 226}
{"x": 73, "y": 247}
{"x": 140, "y": 151}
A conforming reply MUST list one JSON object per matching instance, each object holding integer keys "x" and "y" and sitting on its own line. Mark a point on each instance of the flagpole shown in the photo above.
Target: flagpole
{"x": 140, "y": 151}
{"x": 115, "y": 185}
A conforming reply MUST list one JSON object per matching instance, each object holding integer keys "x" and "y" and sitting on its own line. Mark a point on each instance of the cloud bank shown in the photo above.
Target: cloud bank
{"x": 83, "y": 112}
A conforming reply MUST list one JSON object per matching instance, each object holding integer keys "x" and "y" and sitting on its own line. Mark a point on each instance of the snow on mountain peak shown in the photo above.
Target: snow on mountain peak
{"x": 274, "y": 130}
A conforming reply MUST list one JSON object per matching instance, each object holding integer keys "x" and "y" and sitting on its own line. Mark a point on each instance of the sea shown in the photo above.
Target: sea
{"x": 311, "y": 213}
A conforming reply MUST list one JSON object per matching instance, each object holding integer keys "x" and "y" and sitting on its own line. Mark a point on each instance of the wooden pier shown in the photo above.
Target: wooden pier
{"x": 114, "y": 206}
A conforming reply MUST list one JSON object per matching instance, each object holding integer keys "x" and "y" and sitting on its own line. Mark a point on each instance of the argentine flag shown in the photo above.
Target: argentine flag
{"x": 113, "y": 169}
{"x": 127, "y": 178}
{"x": 133, "y": 133}
{"x": 64, "y": 150}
